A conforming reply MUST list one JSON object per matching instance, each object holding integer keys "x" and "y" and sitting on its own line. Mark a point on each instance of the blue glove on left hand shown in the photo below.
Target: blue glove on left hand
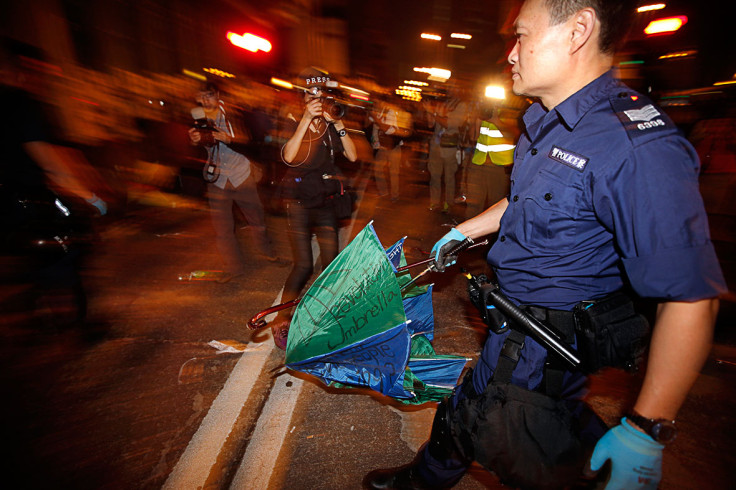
{"x": 98, "y": 203}
{"x": 446, "y": 243}
{"x": 636, "y": 459}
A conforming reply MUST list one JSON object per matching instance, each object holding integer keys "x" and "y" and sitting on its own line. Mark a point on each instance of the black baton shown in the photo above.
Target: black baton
{"x": 534, "y": 328}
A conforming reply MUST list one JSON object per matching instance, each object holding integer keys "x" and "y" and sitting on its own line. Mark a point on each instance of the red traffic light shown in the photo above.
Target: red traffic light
{"x": 249, "y": 41}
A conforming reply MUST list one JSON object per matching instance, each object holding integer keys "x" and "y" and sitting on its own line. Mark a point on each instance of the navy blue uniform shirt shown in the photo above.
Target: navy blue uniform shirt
{"x": 604, "y": 189}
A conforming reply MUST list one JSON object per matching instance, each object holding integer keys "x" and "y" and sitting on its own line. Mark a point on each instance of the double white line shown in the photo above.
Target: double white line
{"x": 199, "y": 461}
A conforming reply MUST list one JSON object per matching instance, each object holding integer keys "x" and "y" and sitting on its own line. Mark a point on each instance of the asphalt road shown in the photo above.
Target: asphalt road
{"x": 150, "y": 401}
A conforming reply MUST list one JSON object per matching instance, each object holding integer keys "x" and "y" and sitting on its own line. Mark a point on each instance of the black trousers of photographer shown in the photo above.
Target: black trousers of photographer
{"x": 303, "y": 222}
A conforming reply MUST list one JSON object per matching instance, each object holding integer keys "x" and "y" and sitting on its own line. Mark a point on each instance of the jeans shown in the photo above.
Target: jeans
{"x": 223, "y": 220}
{"x": 390, "y": 159}
{"x": 442, "y": 161}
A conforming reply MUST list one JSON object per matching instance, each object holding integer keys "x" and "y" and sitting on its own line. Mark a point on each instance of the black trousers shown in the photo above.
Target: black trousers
{"x": 303, "y": 222}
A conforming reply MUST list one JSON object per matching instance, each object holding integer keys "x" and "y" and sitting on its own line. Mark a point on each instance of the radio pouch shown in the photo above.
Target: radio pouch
{"x": 610, "y": 333}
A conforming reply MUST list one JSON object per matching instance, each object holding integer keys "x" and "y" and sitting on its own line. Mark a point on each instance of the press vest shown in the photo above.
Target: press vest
{"x": 491, "y": 143}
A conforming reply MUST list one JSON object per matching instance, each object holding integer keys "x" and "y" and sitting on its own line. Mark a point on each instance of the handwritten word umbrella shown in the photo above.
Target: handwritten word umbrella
{"x": 356, "y": 327}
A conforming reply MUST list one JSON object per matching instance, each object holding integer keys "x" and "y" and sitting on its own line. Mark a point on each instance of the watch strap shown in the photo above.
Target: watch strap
{"x": 647, "y": 424}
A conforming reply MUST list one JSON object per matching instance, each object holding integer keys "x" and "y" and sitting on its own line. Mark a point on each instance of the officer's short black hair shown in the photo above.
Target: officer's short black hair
{"x": 616, "y": 17}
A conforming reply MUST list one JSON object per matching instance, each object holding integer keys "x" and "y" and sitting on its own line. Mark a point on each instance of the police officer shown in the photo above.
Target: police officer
{"x": 604, "y": 193}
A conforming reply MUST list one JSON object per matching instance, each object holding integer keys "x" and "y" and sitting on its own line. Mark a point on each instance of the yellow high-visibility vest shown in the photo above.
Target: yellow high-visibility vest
{"x": 491, "y": 143}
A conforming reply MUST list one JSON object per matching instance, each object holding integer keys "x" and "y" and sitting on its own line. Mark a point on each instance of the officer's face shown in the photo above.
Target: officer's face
{"x": 539, "y": 56}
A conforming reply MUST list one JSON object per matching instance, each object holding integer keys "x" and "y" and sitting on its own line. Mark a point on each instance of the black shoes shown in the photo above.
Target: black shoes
{"x": 402, "y": 478}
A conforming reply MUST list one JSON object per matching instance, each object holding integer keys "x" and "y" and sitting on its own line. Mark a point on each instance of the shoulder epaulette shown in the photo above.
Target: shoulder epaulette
{"x": 642, "y": 120}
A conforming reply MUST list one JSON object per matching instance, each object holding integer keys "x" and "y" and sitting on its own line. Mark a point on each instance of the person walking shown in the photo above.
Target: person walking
{"x": 604, "y": 195}
{"x": 447, "y": 117}
{"x": 229, "y": 181}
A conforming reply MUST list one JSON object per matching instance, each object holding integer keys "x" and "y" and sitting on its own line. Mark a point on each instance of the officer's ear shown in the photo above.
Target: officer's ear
{"x": 584, "y": 23}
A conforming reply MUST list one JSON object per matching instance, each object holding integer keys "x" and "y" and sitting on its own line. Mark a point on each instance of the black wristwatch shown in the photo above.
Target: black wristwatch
{"x": 661, "y": 430}
{"x": 342, "y": 132}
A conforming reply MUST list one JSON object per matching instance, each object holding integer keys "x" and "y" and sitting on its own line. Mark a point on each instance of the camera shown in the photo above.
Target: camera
{"x": 333, "y": 101}
{"x": 334, "y": 107}
{"x": 204, "y": 126}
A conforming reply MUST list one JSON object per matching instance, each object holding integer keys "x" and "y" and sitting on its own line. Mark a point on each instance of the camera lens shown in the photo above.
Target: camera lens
{"x": 334, "y": 109}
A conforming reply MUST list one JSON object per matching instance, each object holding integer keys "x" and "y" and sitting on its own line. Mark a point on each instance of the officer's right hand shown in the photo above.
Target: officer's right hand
{"x": 636, "y": 459}
{"x": 444, "y": 245}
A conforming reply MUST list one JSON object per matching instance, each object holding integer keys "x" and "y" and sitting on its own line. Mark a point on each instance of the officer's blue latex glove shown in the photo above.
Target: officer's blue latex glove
{"x": 445, "y": 244}
{"x": 98, "y": 203}
{"x": 636, "y": 459}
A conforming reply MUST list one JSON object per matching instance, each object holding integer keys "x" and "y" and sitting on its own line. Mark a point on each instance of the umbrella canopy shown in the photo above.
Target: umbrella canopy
{"x": 355, "y": 327}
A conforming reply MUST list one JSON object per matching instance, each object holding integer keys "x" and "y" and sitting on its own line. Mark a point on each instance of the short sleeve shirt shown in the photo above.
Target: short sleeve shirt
{"x": 234, "y": 167}
{"x": 604, "y": 191}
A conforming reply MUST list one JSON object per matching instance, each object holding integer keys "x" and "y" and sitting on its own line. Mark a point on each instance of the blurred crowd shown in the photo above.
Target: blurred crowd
{"x": 126, "y": 136}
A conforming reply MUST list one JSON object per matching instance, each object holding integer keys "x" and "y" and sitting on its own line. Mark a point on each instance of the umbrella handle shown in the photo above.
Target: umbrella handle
{"x": 258, "y": 321}
{"x": 466, "y": 244}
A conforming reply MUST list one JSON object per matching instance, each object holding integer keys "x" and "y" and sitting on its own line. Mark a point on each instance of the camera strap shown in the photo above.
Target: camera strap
{"x": 211, "y": 170}
{"x": 225, "y": 121}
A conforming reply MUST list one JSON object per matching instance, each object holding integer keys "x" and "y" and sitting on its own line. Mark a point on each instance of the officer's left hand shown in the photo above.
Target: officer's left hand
{"x": 636, "y": 459}
{"x": 444, "y": 245}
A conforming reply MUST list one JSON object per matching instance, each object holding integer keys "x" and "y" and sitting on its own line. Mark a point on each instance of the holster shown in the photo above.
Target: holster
{"x": 478, "y": 292}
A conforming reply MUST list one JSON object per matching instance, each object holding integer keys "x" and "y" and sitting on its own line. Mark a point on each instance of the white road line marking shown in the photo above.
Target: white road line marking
{"x": 261, "y": 455}
{"x": 200, "y": 456}
{"x": 257, "y": 465}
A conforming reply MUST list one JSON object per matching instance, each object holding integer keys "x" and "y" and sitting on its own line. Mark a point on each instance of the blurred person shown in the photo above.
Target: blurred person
{"x": 604, "y": 195}
{"x": 390, "y": 126}
{"x": 490, "y": 163}
{"x": 447, "y": 116}
{"x": 466, "y": 146}
{"x": 45, "y": 197}
{"x": 308, "y": 186}
{"x": 230, "y": 181}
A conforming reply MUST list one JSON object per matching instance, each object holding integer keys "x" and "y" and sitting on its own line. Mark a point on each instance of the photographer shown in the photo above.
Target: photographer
{"x": 229, "y": 178}
{"x": 310, "y": 184}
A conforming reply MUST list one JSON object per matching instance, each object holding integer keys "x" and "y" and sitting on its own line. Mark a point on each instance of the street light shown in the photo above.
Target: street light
{"x": 495, "y": 92}
{"x": 431, "y": 37}
{"x": 667, "y": 25}
{"x": 439, "y": 74}
{"x": 281, "y": 83}
{"x": 649, "y": 8}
